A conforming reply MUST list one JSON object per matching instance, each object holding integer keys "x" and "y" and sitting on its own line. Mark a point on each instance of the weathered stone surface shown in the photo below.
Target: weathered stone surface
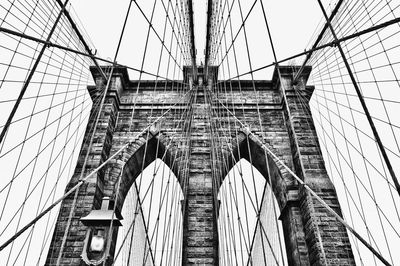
{"x": 200, "y": 228}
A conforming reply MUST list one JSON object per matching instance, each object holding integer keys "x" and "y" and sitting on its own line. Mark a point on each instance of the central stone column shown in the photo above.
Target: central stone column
{"x": 200, "y": 235}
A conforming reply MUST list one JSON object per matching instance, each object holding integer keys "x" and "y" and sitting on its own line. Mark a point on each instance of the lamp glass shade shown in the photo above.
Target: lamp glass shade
{"x": 97, "y": 243}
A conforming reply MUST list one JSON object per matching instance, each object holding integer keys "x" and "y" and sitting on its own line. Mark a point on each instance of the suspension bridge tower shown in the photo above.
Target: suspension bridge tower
{"x": 312, "y": 235}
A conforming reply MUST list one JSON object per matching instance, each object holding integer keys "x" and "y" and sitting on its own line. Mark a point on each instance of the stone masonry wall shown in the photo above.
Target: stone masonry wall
{"x": 312, "y": 235}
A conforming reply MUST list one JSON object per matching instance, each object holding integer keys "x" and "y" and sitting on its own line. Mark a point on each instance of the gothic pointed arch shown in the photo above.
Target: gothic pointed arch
{"x": 137, "y": 157}
{"x": 148, "y": 189}
{"x": 249, "y": 148}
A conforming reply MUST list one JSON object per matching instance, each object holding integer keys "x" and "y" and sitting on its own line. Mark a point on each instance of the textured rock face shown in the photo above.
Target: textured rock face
{"x": 200, "y": 229}
{"x": 312, "y": 235}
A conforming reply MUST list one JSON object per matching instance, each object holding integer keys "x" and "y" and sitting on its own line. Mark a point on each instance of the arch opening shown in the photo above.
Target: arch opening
{"x": 150, "y": 201}
{"x": 248, "y": 226}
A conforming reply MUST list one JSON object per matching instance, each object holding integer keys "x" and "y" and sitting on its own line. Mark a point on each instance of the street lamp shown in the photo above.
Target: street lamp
{"x": 96, "y": 247}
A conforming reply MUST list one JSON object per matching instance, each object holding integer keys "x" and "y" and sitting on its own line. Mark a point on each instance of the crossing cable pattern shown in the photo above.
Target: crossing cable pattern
{"x": 350, "y": 148}
{"x": 55, "y": 100}
{"x": 62, "y": 75}
{"x": 157, "y": 200}
{"x": 163, "y": 230}
{"x": 359, "y": 155}
{"x": 238, "y": 223}
{"x": 340, "y": 120}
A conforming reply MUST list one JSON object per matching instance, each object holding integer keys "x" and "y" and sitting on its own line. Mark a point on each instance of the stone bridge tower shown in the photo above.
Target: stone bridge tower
{"x": 312, "y": 235}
